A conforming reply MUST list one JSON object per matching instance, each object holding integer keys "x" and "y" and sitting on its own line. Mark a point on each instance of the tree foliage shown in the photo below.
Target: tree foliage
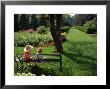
{"x": 67, "y": 20}
{"x": 27, "y": 21}
{"x": 91, "y": 26}
{"x": 80, "y": 19}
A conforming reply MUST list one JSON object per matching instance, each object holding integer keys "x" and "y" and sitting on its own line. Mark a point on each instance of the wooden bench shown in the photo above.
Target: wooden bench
{"x": 39, "y": 58}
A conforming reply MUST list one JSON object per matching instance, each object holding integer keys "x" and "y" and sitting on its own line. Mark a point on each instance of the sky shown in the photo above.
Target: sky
{"x": 71, "y": 14}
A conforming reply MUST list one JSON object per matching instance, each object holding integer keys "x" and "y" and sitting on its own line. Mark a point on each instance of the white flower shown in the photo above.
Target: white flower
{"x": 17, "y": 59}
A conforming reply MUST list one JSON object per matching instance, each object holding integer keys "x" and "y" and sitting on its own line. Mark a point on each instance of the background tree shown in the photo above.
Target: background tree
{"x": 80, "y": 19}
{"x": 16, "y": 22}
{"x": 23, "y": 22}
{"x": 67, "y": 20}
{"x": 33, "y": 22}
{"x": 43, "y": 19}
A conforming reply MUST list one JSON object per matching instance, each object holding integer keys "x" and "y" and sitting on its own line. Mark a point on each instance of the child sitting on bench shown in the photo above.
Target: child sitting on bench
{"x": 27, "y": 53}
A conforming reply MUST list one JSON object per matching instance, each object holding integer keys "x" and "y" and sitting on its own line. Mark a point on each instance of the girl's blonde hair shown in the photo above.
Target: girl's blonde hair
{"x": 28, "y": 48}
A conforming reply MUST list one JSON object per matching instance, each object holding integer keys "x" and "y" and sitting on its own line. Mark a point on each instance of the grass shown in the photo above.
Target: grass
{"x": 79, "y": 57}
{"x": 81, "y": 28}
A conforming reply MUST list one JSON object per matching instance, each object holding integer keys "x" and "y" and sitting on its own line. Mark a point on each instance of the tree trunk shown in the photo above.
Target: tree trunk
{"x": 58, "y": 29}
{"x": 55, "y": 31}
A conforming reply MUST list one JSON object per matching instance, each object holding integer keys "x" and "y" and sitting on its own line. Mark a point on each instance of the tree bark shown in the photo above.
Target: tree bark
{"x": 55, "y": 21}
{"x": 58, "y": 29}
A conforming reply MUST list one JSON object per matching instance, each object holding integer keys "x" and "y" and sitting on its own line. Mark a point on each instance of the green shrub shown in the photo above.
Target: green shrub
{"x": 35, "y": 39}
{"x": 42, "y": 30}
{"x": 65, "y": 29}
{"x": 91, "y": 26}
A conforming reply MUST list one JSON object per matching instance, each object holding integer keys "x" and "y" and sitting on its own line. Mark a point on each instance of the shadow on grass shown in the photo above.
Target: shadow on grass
{"x": 38, "y": 71}
{"x": 72, "y": 56}
{"x": 85, "y": 61}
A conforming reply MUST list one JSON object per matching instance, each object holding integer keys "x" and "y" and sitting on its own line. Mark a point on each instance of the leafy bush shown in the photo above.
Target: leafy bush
{"x": 23, "y": 38}
{"x": 42, "y": 30}
{"x": 65, "y": 29}
{"x": 91, "y": 26}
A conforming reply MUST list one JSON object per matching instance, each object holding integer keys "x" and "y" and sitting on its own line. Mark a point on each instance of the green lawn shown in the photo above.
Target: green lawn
{"x": 79, "y": 57}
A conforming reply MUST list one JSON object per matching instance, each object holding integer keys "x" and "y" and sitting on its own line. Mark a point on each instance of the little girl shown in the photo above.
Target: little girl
{"x": 27, "y": 53}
